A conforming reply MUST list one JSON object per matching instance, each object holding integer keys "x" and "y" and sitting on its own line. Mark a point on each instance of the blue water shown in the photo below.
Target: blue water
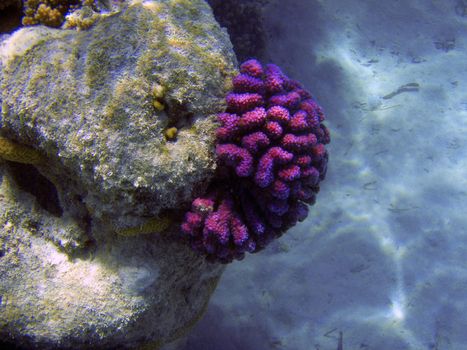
{"x": 382, "y": 257}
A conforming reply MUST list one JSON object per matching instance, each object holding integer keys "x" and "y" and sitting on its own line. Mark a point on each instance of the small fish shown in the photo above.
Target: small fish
{"x": 404, "y": 88}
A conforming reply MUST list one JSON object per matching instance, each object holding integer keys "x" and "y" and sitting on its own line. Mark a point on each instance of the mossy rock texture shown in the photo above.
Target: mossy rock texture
{"x": 86, "y": 100}
{"x": 95, "y": 105}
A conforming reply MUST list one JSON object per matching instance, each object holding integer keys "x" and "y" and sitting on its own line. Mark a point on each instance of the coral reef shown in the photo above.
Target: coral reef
{"x": 271, "y": 158}
{"x": 48, "y": 12}
{"x": 77, "y": 270}
{"x": 100, "y": 127}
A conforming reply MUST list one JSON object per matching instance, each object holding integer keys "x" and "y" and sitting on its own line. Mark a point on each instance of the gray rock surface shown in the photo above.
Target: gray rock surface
{"x": 86, "y": 99}
{"x": 96, "y": 103}
{"x": 125, "y": 293}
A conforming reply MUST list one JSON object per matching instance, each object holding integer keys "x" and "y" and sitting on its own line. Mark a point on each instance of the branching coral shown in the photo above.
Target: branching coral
{"x": 154, "y": 225}
{"x": 271, "y": 158}
{"x": 13, "y": 151}
{"x": 50, "y": 12}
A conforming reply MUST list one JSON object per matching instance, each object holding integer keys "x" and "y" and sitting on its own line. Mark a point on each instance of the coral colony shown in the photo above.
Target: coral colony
{"x": 271, "y": 157}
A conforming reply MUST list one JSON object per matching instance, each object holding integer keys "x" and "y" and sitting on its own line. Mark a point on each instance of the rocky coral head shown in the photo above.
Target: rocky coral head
{"x": 271, "y": 158}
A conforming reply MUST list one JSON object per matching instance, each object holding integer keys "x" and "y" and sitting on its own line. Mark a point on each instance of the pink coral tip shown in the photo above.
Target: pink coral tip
{"x": 236, "y": 157}
{"x": 243, "y": 102}
{"x": 247, "y": 83}
{"x": 299, "y": 121}
{"x": 252, "y": 119}
{"x": 276, "y": 155}
{"x": 303, "y": 161}
{"x": 318, "y": 151}
{"x": 298, "y": 143}
{"x": 239, "y": 230}
{"x": 273, "y": 129}
{"x": 289, "y": 173}
{"x": 280, "y": 190}
{"x": 252, "y": 67}
{"x": 288, "y": 100}
{"x": 275, "y": 80}
{"x": 278, "y": 114}
{"x": 255, "y": 141}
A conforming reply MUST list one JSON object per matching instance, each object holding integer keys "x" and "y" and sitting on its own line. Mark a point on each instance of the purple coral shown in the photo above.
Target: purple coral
{"x": 271, "y": 158}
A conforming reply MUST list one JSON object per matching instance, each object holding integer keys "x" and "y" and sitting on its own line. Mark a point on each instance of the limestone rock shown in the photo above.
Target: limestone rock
{"x": 87, "y": 100}
{"x": 125, "y": 293}
{"x": 97, "y": 103}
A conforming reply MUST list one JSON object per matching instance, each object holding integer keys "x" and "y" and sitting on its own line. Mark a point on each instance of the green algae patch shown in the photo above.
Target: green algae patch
{"x": 98, "y": 101}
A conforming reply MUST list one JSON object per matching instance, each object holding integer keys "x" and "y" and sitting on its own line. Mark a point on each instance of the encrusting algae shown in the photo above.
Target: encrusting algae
{"x": 16, "y": 152}
{"x": 48, "y": 12}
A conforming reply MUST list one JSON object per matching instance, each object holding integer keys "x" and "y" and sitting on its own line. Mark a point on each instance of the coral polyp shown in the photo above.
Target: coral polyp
{"x": 271, "y": 158}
